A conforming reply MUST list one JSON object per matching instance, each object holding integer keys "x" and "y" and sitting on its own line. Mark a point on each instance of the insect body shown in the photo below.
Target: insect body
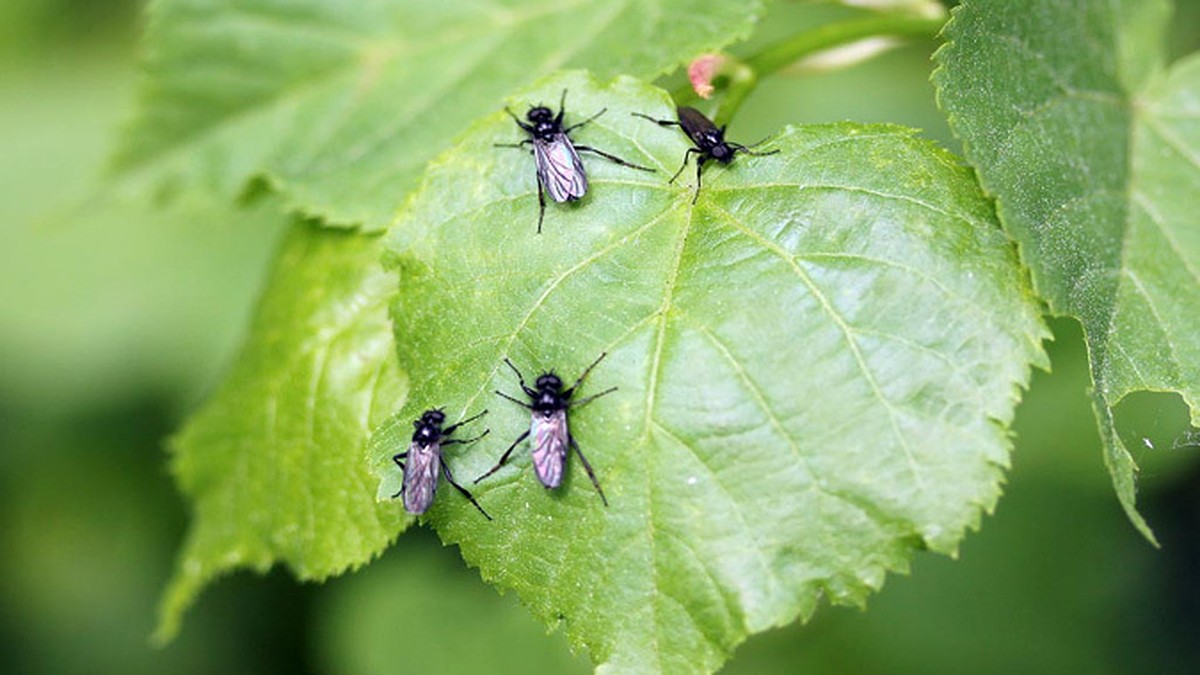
{"x": 425, "y": 461}
{"x": 559, "y": 169}
{"x": 548, "y": 427}
{"x": 708, "y": 139}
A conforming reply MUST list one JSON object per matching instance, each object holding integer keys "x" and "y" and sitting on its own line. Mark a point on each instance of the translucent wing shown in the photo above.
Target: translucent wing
{"x": 559, "y": 169}
{"x": 421, "y": 476}
{"x": 698, "y": 127}
{"x": 549, "y": 434}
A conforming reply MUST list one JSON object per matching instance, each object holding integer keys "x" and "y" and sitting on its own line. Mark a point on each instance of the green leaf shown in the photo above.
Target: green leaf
{"x": 816, "y": 366}
{"x": 340, "y": 104}
{"x": 273, "y": 462}
{"x": 1094, "y": 158}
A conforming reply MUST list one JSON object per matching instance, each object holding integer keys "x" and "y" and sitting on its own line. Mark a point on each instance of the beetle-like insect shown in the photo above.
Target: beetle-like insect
{"x": 559, "y": 169}
{"x": 551, "y": 436}
{"x": 425, "y": 461}
{"x": 708, "y": 139}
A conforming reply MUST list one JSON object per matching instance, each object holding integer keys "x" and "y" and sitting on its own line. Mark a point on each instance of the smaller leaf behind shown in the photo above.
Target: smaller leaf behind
{"x": 273, "y": 461}
{"x": 816, "y": 364}
{"x": 1093, "y": 155}
{"x": 340, "y": 104}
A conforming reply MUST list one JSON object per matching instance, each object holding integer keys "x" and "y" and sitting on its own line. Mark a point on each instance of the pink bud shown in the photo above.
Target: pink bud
{"x": 701, "y": 72}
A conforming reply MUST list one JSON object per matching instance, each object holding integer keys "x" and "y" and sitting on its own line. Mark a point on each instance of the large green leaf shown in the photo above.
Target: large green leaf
{"x": 273, "y": 462}
{"x": 816, "y": 366}
{"x": 340, "y": 104}
{"x": 1094, "y": 158}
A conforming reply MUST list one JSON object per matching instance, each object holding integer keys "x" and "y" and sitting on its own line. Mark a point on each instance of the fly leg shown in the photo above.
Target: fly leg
{"x": 661, "y": 123}
{"x": 575, "y": 126}
{"x": 504, "y": 457}
{"x": 463, "y": 490}
{"x": 593, "y": 397}
{"x": 526, "y": 127}
{"x": 613, "y": 158}
{"x": 748, "y": 148}
{"x": 518, "y": 402}
{"x": 567, "y": 393}
{"x": 699, "y": 166}
{"x": 686, "y": 156}
{"x": 450, "y": 429}
{"x": 453, "y": 441}
{"x": 588, "y": 467}
{"x": 521, "y": 379}
{"x": 562, "y": 108}
{"x": 396, "y": 459}
{"x": 541, "y": 204}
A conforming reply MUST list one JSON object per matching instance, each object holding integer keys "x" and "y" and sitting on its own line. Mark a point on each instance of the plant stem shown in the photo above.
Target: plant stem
{"x": 783, "y": 54}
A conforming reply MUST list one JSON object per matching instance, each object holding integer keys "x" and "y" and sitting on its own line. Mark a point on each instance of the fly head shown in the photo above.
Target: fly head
{"x": 722, "y": 152}
{"x": 429, "y": 427}
{"x": 549, "y": 382}
{"x": 546, "y": 125}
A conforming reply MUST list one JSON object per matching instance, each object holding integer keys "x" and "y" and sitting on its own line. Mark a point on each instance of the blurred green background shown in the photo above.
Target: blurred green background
{"x": 116, "y": 318}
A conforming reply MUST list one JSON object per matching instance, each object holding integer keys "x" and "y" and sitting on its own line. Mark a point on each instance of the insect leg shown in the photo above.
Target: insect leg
{"x": 504, "y": 457}
{"x": 661, "y": 123}
{"x": 516, "y": 119}
{"x": 699, "y": 166}
{"x": 463, "y": 490}
{"x": 562, "y": 107}
{"x": 396, "y": 459}
{"x": 450, "y": 429}
{"x": 513, "y": 145}
{"x": 588, "y": 120}
{"x": 523, "y": 404}
{"x": 593, "y": 397}
{"x": 520, "y": 378}
{"x": 613, "y": 158}
{"x": 453, "y": 441}
{"x": 588, "y": 467}
{"x": 541, "y": 203}
{"x": 687, "y": 155}
{"x": 738, "y": 147}
{"x": 567, "y": 393}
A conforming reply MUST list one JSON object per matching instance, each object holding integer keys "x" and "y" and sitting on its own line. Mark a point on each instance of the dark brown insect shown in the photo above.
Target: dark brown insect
{"x": 708, "y": 139}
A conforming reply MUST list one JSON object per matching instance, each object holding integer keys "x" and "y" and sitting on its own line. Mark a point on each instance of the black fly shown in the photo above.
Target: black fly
{"x": 559, "y": 170}
{"x": 708, "y": 139}
{"x": 425, "y": 461}
{"x": 551, "y": 437}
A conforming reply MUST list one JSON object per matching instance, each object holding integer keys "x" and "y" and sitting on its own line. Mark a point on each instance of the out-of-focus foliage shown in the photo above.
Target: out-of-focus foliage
{"x": 273, "y": 461}
{"x": 90, "y": 521}
{"x": 341, "y": 104}
{"x": 1093, "y": 154}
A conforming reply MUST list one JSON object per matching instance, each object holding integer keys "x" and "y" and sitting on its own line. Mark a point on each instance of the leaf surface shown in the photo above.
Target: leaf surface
{"x": 1093, "y": 154}
{"x": 273, "y": 461}
{"x": 340, "y": 104}
{"x": 816, "y": 364}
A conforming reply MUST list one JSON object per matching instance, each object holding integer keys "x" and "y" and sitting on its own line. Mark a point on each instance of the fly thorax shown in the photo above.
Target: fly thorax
{"x": 426, "y": 435}
{"x": 546, "y": 410}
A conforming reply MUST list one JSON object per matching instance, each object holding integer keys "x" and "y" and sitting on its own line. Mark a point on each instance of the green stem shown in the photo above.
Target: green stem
{"x": 783, "y": 54}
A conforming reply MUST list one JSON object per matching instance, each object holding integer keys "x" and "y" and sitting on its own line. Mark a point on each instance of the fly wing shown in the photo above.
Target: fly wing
{"x": 559, "y": 168}
{"x": 421, "y": 476}
{"x": 550, "y": 440}
{"x": 695, "y": 124}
